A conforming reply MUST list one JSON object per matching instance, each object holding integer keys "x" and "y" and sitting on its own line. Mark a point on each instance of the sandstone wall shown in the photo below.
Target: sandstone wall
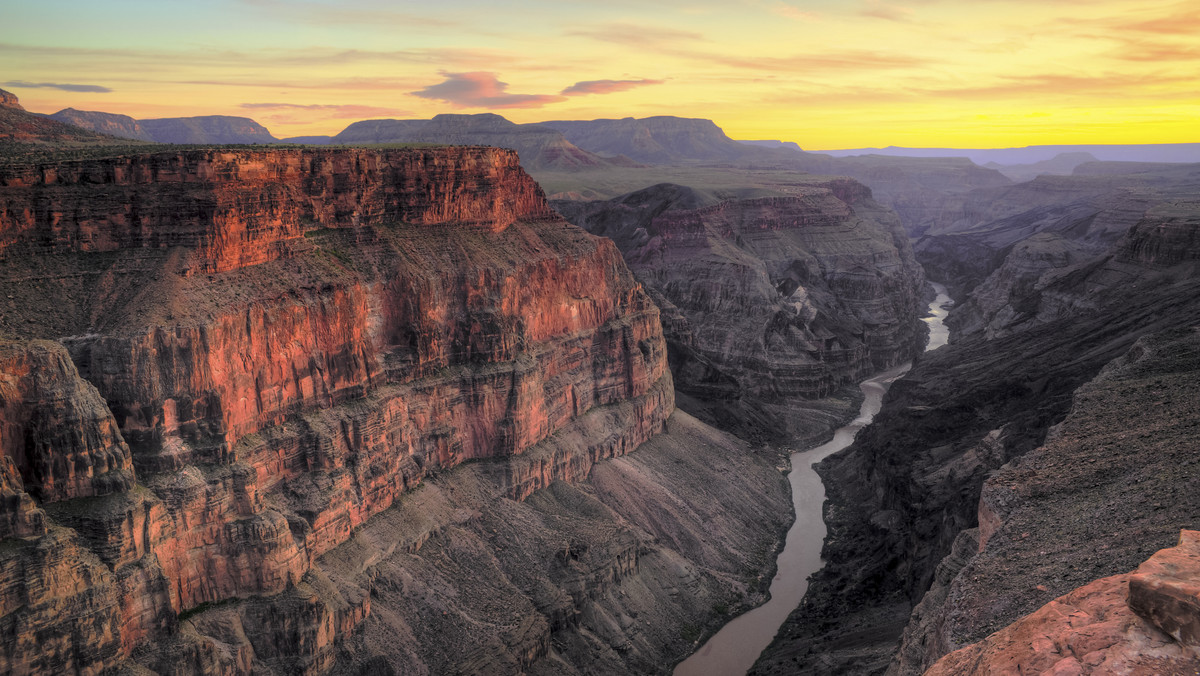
{"x": 282, "y": 344}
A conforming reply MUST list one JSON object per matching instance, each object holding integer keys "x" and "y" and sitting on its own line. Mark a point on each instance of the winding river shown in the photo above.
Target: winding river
{"x": 733, "y": 650}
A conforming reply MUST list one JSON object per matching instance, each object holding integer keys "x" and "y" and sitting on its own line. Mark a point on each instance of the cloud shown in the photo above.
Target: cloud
{"x": 481, "y": 89}
{"x": 634, "y": 35}
{"x": 333, "y": 111}
{"x": 95, "y": 89}
{"x": 606, "y": 86}
{"x": 817, "y": 62}
{"x": 878, "y": 10}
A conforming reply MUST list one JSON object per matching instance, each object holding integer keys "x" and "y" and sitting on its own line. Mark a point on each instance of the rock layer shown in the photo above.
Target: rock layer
{"x": 288, "y": 342}
{"x": 769, "y": 298}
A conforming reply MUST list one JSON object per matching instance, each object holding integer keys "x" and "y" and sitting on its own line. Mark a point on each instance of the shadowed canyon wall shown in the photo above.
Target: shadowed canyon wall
{"x": 770, "y": 302}
{"x": 996, "y": 477}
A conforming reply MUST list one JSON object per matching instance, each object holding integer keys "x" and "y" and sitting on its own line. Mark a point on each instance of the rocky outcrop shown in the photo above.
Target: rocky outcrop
{"x": 103, "y": 123}
{"x": 206, "y": 129}
{"x": 233, "y": 208}
{"x": 1163, "y": 591}
{"x": 771, "y": 298}
{"x": 289, "y": 342}
{"x": 1089, "y": 631}
{"x": 539, "y": 146}
{"x": 55, "y": 428}
{"x": 9, "y": 100}
{"x": 901, "y": 498}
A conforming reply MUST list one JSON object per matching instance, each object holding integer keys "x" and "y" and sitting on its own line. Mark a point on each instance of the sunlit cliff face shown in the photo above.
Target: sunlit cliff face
{"x": 824, "y": 74}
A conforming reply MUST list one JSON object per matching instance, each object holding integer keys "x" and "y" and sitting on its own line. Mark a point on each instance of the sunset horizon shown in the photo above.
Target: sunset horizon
{"x": 1002, "y": 74}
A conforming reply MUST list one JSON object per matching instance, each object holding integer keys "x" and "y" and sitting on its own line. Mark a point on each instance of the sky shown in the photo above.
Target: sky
{"x": 826, "y": 74}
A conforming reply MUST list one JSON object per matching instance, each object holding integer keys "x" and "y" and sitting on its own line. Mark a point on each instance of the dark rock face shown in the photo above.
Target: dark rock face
{"x": 906, "y": 494}
{"x": 104, "y": 123}
{"x": 539, "y": 146}
{"x": 770, "y": 298}
{"x": 206, "y": 129}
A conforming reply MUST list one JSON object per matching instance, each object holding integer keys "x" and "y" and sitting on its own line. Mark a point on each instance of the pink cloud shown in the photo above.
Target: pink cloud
{"x": 481, "y": 89}
{"x": 606, "y": 86}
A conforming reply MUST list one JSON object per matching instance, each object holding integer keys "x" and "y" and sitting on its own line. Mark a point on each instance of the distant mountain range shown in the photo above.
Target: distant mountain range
{"x": 1154, "y": 152}
{"x": 204, "y": 129}
{"x": 594, "y": 144}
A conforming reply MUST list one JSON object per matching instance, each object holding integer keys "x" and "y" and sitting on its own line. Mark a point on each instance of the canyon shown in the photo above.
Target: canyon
{"x": 261, "y": 405}
{"x": 388, "y": 410}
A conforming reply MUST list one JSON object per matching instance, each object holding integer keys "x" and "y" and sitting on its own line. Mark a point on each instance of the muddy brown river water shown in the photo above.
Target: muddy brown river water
{"x": 733, "y": 649}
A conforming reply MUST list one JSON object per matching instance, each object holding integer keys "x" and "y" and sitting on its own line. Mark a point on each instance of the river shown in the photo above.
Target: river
{"x": 733, "y": 649}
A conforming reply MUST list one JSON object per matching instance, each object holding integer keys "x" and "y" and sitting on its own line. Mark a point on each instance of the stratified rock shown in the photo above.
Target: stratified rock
{"x": 1165, "y": 590}
{"x": 206, "y": 129}
{"x": 54, "y": 427}
{"x": 291, "y": 341}
{"x": 233, "y": 208}
{"x": 769, "y": 298}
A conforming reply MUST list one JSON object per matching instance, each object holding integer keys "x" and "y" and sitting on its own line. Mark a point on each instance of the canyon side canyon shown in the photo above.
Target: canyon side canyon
{"x": 388, "y": 410}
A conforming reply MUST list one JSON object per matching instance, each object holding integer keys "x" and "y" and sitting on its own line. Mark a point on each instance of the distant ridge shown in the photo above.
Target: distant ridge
{"x": 103, "y": 123}
{"x": 539, "y": 146}
{"x": 1154, "y": 152}
{"x": 656, "y": 140}
{"x": 203, "y": 129}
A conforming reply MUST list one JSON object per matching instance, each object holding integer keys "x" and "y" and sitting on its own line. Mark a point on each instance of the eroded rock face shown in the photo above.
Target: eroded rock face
{"x": 55, "y": 429}
{"x": 774, "y": 297}
{"x": 233, "y": 208}
{"x": 437, "y": 312}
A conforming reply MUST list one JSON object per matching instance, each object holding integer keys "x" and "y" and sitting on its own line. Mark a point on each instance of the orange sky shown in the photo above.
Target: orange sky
{"x": 823, "y": 73}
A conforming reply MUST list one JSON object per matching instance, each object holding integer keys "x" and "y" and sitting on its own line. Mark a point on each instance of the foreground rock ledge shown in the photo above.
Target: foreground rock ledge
{"x": 1094, "y": 630}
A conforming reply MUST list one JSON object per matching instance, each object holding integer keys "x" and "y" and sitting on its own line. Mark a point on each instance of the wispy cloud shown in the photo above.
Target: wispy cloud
{"x": 830, "y": 60}
{"x": 94, "y": 89}
{"x": 606, "y": 86}
{"x": 481, "y": 89}
{"x": 637, "y": 36}
{"x": 331, "y": 110}
{"x": 880, "y": 10}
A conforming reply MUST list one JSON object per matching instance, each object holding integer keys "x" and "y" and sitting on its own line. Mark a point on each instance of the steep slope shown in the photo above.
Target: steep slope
{"x": 911, "y": 484}
{"x": 283, "y": 344}
{"x": 771, "y": 299}
{"x": 112, "y": 124}
{"x": 539, "y": 146}
{"x": 1104, "y": 490}
{"x": 206, "y": 130}
{"x": 1106, "y": 627}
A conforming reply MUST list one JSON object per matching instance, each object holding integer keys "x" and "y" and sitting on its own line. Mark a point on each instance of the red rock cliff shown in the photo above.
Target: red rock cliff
{"x": 367, "y": 317}
{"x": 233, "y": 208}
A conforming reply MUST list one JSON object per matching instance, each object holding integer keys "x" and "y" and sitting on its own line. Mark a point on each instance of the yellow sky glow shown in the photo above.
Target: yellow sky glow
{"x": 826, "y": 74}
